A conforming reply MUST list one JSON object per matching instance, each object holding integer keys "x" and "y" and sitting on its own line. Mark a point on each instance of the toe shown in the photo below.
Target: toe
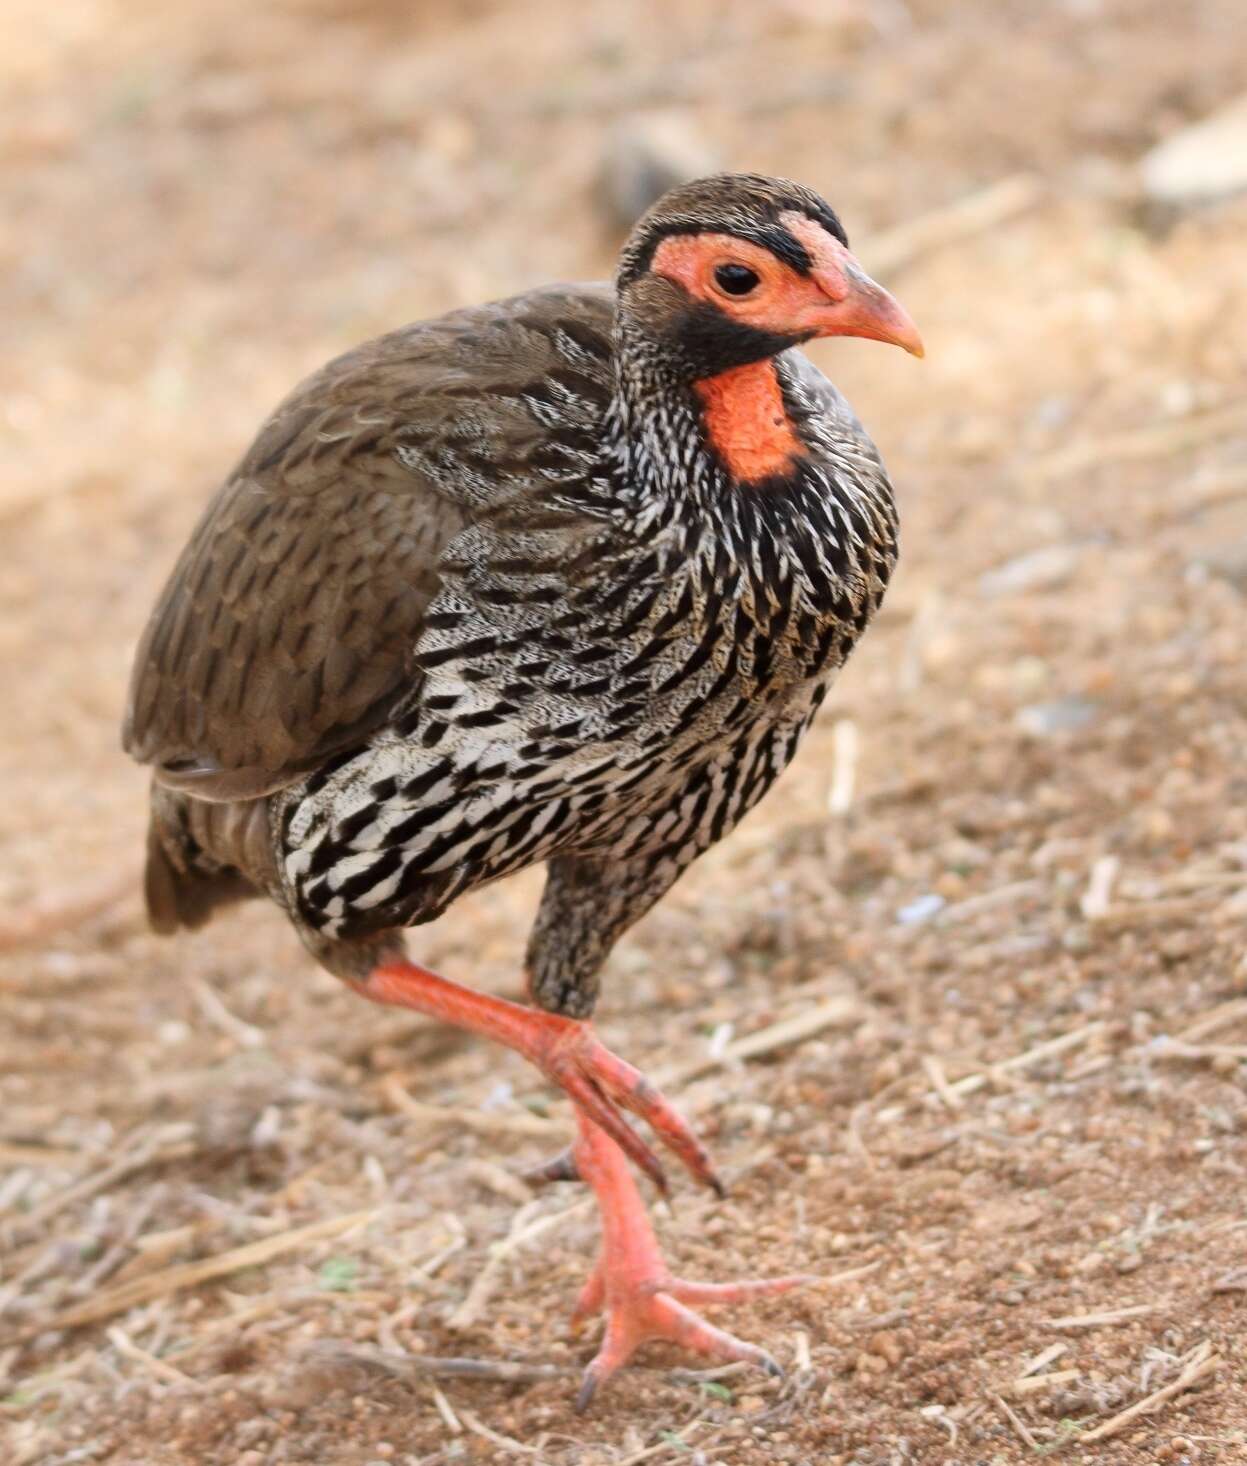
{"x": 632, "y": 1091}
{"x": 703, "y": 1295}
{"x": 682, "y": 1326}
{"x": 592, "y": 1297}
{"x": 595, "y": 1106}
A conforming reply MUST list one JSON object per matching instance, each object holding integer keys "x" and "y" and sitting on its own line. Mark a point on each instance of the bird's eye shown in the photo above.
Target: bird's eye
{"x": 735, "y": 279}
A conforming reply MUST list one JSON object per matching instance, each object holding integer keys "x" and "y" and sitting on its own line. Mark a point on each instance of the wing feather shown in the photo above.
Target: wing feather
{"x": 286, "y": 631}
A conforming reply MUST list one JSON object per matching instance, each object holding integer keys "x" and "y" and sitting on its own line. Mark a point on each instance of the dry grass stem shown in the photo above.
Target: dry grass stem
{"x": 1044, "y": 1358}
{"x": 939, "y": 1083}
{"x": 523, "y": 1230}
{"x": 443, "y": 1408}
{"x": 1164, "y": 910}
{"x": 1199, "y": 1365}
{"x": 188, "y": 1275}
{"x": 680, "y": 1440}
{"x": 1016, "y": 1421}
{"x": 846, "y": 1275}
{"x": 1099, "y": 892}
{"x": 844, "y": 751}
{"x": 123, "y": 1248}
{"x": 833, "y": 1013}
{"x": 503, "y": 1442}
{"x": 126, "y": 1347}
{"x": 1234, "y": 1281}
{"x": 17, "y": 1154}
{"x": 1154, "y": 440}
{"x": 972, "y": 906}
{"x": 972, "y": 1082}
{"x": 169, "y": 1142}
{"x": 1103, "y": 1320}
{"x": 976, "y": 213}
{"x": 1215, "y": 1019}
{"x": 1173, "y": 1048}
{"x": 1204, "y": 880}
{"x": 1204, "y": 492}
{"x": 499, "y": 1180}
{"x": 214, "y": 1010}
{"x": 1034, "y": 1383}
{"x": 43, "y": 922}
{"x": 481, "y": 1122}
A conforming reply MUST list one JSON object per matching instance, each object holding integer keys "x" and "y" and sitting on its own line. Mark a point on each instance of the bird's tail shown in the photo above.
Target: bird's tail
{"x": 201, "y": 856}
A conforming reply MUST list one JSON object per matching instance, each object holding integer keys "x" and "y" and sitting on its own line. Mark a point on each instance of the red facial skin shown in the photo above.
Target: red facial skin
{"x": 743, "y": 410}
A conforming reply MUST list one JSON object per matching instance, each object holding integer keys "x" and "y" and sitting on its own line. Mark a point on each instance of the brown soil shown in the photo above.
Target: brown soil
{"x": 1047, "y": 836}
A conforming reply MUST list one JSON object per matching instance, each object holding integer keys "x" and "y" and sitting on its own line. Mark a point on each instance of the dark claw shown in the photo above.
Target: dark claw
{"x": 772, "y": 1368}
{"x": 588, "y": 1388}
{"x": 561, "y": 1167}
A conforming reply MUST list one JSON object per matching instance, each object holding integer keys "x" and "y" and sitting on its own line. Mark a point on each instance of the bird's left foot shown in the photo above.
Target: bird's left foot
{"x": 632, "y": 1285}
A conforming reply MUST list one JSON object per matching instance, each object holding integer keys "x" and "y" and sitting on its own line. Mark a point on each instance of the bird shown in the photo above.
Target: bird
{"x": 563, "y": 579}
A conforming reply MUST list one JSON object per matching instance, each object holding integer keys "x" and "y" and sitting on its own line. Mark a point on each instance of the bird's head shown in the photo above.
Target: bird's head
{"x": 738, "y": 267}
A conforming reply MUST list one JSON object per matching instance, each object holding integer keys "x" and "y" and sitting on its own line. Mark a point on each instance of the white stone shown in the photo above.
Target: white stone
{"x": 1203, "y": 162}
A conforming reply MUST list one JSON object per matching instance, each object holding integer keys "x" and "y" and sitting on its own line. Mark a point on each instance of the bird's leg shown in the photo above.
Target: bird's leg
{"x": 567, "y": 1052}
{"x": 631, "y": 1282}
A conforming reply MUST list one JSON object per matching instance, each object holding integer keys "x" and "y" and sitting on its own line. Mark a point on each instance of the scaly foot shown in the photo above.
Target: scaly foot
{"x": 631, "y": 1282}
{"x": 567, "y": 1052}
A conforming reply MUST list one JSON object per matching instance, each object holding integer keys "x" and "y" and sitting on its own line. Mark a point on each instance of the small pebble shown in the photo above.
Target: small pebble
{"x": 1064, "y": 715}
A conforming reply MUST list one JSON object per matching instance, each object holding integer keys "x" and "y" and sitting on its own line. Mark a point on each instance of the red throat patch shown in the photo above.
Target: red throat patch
{"x": 747, "y": 423}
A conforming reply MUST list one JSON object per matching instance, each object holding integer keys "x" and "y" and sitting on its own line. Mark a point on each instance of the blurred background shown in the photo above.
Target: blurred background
{"x": 1019, "y": 834}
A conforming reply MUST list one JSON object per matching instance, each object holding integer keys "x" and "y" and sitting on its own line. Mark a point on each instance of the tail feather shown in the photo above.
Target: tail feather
{"x": 203, "y": 856}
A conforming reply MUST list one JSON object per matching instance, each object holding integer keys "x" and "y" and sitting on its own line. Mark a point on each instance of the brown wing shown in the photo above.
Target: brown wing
{"x": 286, "y": 630}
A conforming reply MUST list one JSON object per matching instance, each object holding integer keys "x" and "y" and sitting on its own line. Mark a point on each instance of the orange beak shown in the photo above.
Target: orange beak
{"x": 856, "y": 306}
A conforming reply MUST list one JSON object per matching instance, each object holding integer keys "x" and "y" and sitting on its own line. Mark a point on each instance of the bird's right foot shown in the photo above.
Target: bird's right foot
{"x": 567, "y": 1052}
{"x": 633, "y": 1287}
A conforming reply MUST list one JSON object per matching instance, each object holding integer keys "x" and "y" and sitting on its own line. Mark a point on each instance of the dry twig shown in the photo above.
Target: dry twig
{"x": 410, "y": 1366}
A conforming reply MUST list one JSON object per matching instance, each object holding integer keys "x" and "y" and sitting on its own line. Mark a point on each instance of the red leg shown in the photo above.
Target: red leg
{"x": 631, "y": 1281}
{"x": 566, "y": 1051}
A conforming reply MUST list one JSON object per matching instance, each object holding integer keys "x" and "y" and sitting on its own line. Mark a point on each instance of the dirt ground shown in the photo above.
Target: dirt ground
{"x": 997, "y": 908}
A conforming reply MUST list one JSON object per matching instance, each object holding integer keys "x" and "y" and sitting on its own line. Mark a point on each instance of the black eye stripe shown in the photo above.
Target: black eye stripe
{"x": 735, "y": 279}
